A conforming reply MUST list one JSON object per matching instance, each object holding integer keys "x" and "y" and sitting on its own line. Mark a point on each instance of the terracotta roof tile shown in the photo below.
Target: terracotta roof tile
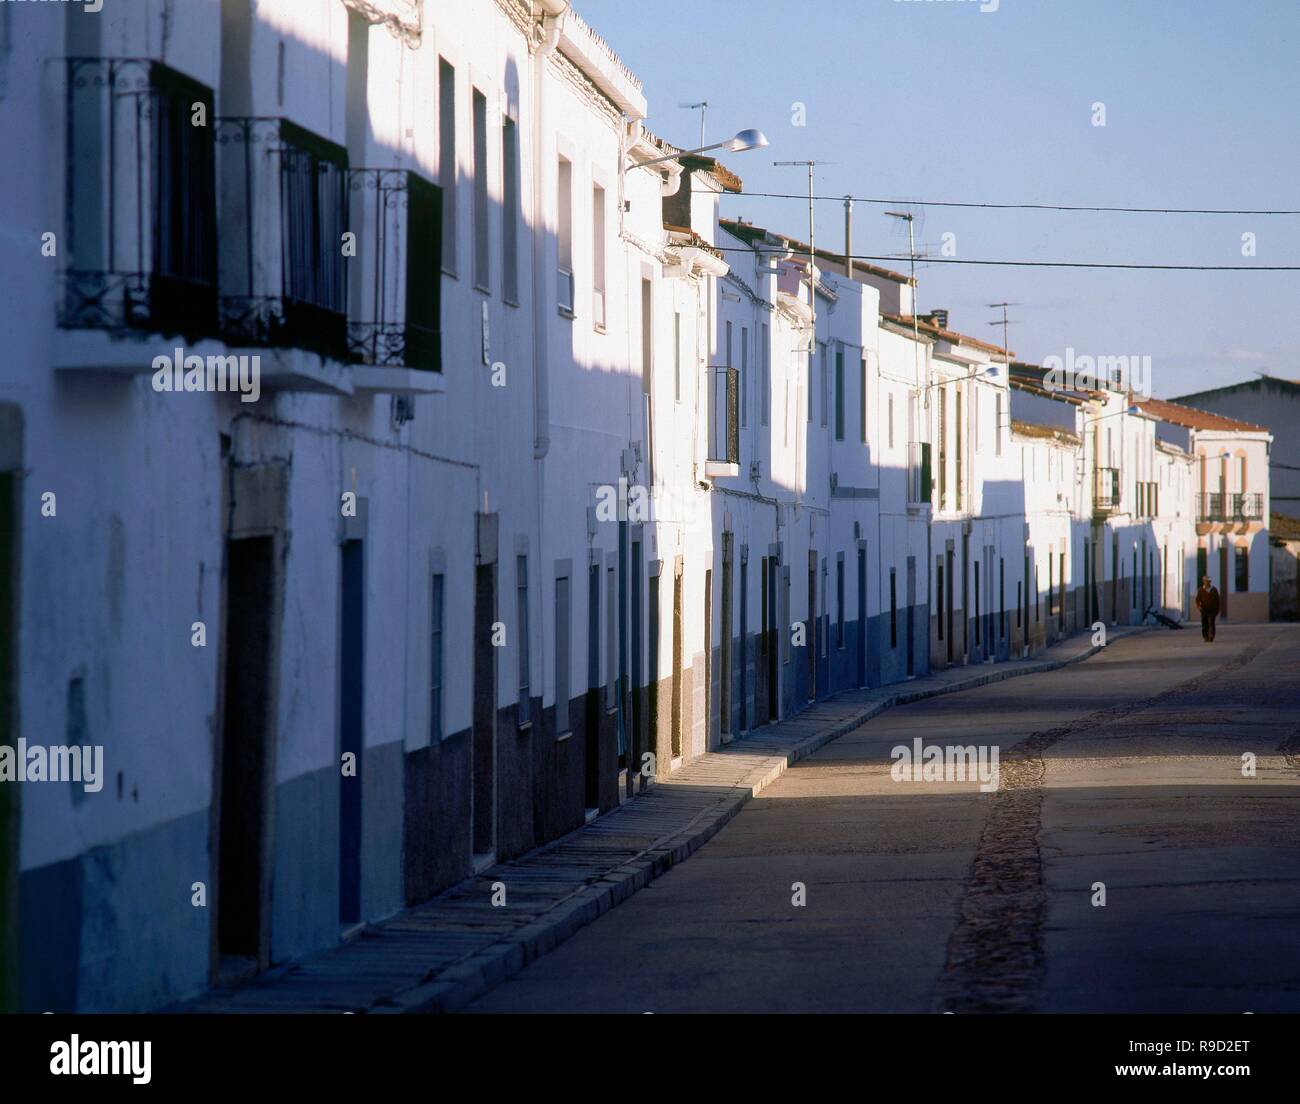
{"x": 1187, "y": 416}
{"x": 934, "y": 330}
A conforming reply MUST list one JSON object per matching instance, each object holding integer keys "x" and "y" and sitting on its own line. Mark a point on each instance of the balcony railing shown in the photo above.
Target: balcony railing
{"x": 284, "y": 211}
{"x": 724, "y": 415}
{"x": 141, "y": 212}
{"x": 396, "y": 307}
{"x": 918, "y": 473}
{"x": 1217, "y": 506}
{"x": 1105, "y": 490}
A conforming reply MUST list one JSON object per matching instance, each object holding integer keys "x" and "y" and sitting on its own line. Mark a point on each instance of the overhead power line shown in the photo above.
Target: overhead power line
{"x": 1027, "y": 264}
{"x": 1017, "y": 206}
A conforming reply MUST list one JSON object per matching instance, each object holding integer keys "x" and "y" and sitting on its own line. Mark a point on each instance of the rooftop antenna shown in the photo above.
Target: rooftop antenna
{"x": 702, "y": 106}
{"x": 909, "y": 218}
{"x": 1004, "y": 323}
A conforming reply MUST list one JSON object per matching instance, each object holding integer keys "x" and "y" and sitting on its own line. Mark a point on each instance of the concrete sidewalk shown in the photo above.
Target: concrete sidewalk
{"x": 442, "y": 955}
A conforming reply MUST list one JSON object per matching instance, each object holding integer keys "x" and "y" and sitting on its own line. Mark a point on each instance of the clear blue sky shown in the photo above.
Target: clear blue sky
{"x": 938, "y": 100}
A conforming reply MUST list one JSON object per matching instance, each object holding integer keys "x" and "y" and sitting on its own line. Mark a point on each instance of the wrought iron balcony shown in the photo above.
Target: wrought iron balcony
{"x": 1105, "y": 490}
{"x": 724, "y": 415}
{"x": 918, "y": 473}
{"x": 1217, "y": 506}
{"x": 284, "y": 211}
{"x": 396, "y": 306}
{"x": 141, "y": 210}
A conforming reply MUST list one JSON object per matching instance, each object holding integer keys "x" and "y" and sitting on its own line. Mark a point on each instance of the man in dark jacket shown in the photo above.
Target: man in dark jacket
{"x": 1207, "y": 601}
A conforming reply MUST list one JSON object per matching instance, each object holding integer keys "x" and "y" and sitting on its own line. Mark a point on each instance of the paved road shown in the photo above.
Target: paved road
{"x": 932, "y": 896}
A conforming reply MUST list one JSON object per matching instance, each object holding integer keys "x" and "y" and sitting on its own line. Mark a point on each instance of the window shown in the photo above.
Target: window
{"x": 1241, "y": 474}
{"x": 564, "y": 236}
{"x": 839, "y": 393}
{"x": 808, "y": 388}
{"x": 598, "y": 257}
{"x": 482, "y": 264}
{"x": 729, "y": 363}
{"x": 943, "y": 448}
{"x": 1242, "y": 571}
{"x": 744, "y": 375}
{"x": 677, "y": 356}
{"x": 435, "y": 658}
{"x": 509, "y": 211}
{"x": 561, "y": 656}
{"x": 862, "y": 375}
{"x": 447, "y": 160}
{"x": 825, "y": 394}
{"x": 765, "y": 382}
{"x": 521, "y": 628}
{"x": 647, "y": 334}
{"x": 957, "y": 445}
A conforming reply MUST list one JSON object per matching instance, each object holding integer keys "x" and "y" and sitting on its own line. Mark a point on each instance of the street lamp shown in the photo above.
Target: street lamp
{"x": 989, "y": 370}
{"x": 1116, "y": 413}
{"x": 743, "y": 141}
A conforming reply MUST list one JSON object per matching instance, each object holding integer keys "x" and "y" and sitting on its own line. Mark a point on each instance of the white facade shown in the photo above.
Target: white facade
{"x": 490, "y": 548}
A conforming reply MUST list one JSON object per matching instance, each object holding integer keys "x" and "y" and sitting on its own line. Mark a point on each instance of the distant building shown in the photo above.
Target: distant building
{"x": 1274, "y": 404}
{"x": 1284, "y": 559}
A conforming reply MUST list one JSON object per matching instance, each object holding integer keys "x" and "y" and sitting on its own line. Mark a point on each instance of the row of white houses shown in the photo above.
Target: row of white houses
{"x": 556, "y": 478}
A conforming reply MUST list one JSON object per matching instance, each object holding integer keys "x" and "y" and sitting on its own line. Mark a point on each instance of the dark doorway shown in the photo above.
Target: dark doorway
{"x": 947, "y": 613}
{"x": 637, "y": 678}
{"x": 1026, "y": 610}
{"x": 708, "y": 656}
{"x": 677, "y": 662}
{"x": 243, "y": 874}
{"x": 653, "y": 678}
{"x": 485, "y": 711}
{"x": 965, "y": 582}
{"x": 744, "y": 639}
{"x": 9, "y": 807}
{"x": 778, "y": 631}
{"x": 762, "y": 668}
{"x": 724, "y": 691}
{"x": 591, "y": 729}
{"x": 1224, "y": 579}
{"x": 810, "y": 639}
{"x": 911, "y": 613}
{"x": 862, "y": 617}
{"x": 352, "y": 706}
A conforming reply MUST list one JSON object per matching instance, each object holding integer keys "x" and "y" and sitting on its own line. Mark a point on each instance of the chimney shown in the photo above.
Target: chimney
{"x": 939, "y": 316}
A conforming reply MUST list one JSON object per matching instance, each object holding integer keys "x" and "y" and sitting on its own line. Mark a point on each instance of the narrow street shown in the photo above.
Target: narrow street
{"x": 1124, "y": 770}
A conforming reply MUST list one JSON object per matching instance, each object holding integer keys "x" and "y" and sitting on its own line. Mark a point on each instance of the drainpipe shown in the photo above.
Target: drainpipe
{"x": 553, "y": 12}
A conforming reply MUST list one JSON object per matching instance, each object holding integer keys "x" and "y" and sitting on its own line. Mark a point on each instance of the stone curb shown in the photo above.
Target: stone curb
{"x": 459, "y": 985}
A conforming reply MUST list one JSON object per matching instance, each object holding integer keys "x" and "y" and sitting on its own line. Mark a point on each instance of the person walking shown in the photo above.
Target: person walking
{"x": 1207, "y": 601}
